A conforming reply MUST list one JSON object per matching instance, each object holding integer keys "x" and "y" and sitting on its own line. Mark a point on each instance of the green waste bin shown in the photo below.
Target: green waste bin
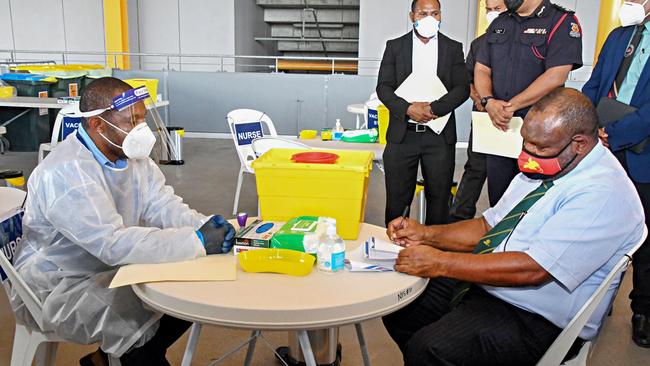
{"x": 33, "y": 128}
{"x": 69, "y": 84}
{"x": 96, "y": 74}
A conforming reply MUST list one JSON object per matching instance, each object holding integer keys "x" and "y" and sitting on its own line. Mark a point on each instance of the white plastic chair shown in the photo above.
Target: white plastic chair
{"x": 29, "y": 343}
{"x": 245, "y": 152}
{"x": 262, "y": 145}
{"x": 70, "y": 110}
{"x": 558, "y": 350}
{"x": 4, "y": 143}
{"x": 372, "y": 103}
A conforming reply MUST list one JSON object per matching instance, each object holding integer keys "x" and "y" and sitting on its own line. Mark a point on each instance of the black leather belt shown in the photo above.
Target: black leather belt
{"x": 417, "y": 127}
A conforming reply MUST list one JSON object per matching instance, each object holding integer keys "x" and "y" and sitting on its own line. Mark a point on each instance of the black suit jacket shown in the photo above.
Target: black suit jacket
{"x": 397, "y": 65}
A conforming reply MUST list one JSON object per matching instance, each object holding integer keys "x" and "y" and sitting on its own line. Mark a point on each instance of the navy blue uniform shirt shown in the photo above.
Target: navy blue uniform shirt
{"x": 520, "y": 49}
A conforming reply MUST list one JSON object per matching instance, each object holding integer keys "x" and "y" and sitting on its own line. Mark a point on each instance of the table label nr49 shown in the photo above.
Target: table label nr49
{"x": 404, "y": 294}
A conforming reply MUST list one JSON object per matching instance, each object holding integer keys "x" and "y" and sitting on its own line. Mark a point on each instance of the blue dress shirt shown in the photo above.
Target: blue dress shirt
{"x": 577, "y": 232}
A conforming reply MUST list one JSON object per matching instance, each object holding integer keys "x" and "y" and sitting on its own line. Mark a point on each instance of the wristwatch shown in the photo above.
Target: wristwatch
{"x": 484, "y": 100}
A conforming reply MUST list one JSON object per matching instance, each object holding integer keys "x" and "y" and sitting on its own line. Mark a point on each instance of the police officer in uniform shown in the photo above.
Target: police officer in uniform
{"x": 475, "y": 174}
{"x": 529, "y": 51}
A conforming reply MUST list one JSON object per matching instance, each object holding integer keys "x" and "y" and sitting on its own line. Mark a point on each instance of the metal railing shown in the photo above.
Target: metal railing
{"x": 178, "y": 61}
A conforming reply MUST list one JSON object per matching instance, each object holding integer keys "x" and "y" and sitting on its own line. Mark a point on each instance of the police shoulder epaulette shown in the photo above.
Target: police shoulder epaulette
{"x": 563, "y": 9}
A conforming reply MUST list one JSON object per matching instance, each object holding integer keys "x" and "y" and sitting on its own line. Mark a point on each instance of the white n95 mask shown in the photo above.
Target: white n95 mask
{"x": 427, "y": 27}
{"x": 138, "y": 142}
{"x": 491, "y": 16}
{"x": 632, "y": 13}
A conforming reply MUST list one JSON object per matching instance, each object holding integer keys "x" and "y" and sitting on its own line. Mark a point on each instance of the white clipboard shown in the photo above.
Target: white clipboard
{"x": 428, "y": 88}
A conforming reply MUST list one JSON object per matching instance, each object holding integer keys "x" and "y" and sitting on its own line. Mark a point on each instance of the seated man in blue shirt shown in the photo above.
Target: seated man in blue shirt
{"x": 98, "y": 202}
{"x": 557, "y": 232}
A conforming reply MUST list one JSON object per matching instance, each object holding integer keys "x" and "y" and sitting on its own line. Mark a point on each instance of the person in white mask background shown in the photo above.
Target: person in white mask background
{"x": 475, "y": 171}
{"x": 622, "y": 78}
{"x": 98, "y": 202}
{"x": 422, "y": 54}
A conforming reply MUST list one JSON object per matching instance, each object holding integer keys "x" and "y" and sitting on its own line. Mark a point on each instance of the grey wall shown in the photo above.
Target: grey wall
{"x": 183, "y": 26}
{"x": 200, "y": 101}
{"x": 6, "y": 28}
{"x": 249, "y": 23}
{"x": 53, "y": 25}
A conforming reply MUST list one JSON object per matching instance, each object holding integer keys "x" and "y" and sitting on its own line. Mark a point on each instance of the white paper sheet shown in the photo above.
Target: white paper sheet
{"x": 380, "y": 250}
{"x": 425, "y": 88}
{"x": 356, "y": 266}
{"x": 488, "y": 139}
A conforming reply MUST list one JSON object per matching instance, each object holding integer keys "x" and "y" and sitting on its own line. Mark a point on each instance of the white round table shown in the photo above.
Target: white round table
{"x": 280, "y": 302}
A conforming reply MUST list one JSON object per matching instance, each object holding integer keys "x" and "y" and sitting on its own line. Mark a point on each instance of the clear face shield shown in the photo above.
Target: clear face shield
{"x": 140, "y": 140}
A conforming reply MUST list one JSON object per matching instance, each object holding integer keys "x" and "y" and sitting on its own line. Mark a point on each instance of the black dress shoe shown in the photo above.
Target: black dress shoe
{"x": 97, "y": 358}
{"x": 641, "y": 330}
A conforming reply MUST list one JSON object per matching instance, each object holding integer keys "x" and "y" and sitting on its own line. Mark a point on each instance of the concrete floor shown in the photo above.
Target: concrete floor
{"x": 207, "y": 183}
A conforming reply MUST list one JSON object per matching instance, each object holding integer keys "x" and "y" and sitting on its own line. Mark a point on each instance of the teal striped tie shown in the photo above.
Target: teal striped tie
{"x": 501, "y": 231}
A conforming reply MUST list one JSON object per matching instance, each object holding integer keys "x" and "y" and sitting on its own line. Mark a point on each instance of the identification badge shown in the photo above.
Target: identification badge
{"x": 535, "y": 31}
{"x": 576, "y": 32}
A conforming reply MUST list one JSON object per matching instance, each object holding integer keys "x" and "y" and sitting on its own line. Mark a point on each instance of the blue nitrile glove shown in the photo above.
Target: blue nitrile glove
{"x": 217, "y": 235}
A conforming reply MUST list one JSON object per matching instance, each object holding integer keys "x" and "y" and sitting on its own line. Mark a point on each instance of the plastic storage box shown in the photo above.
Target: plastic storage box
{"x": 287, "y": 189}
{"x": 33, "y": 128}
{"x": 151, "y": 84}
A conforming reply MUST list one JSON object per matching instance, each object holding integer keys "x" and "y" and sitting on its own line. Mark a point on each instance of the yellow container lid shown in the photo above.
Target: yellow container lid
{"x": 356, "y": 161}
{"x": 282, "y": 261}
{"x": 69, "y": 67}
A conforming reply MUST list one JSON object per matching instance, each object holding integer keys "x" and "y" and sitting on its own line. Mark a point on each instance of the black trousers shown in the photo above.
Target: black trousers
{"x": 500, "y": 173}
{"x": 401, "y": 163}
{"x": 470, "y": 187}
{"x": 640, "y": 294}
{"x": 153, "y": 352}
{"x": 481, "y": 330}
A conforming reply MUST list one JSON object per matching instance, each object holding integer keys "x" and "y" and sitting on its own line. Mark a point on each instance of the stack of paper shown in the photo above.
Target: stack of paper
{"x": 355, "y": 266}
{"x": 380, "y": 250}
{"x": 374, "y": 255}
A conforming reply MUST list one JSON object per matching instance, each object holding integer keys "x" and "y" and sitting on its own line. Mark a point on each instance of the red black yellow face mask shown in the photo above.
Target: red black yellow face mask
{"x": 542, "y": 167}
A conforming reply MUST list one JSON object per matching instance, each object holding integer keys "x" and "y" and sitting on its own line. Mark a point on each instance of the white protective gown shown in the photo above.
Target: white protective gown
{"x": 82, "y": 221}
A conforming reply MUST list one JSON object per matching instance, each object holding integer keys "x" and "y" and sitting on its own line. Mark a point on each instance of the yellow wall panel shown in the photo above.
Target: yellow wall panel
{"x": 607, "y": 22}
{"x": 116, "y": 30}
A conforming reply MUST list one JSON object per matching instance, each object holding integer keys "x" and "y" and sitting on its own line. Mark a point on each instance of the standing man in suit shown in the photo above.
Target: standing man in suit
{"x": 529, "y": 52}
{"x": 471, "y": 185}
{"x": 427, "y": 52}
{"x": 623, "y": 73}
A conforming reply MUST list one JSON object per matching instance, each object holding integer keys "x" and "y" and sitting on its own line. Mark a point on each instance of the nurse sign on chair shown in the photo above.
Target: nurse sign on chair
{"x": 245, "y": 126}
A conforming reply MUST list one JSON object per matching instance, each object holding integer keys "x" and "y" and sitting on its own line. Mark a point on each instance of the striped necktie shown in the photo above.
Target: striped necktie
{"x": 502, "y": 231}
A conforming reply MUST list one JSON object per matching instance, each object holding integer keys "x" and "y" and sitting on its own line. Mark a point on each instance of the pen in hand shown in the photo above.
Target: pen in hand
{"x": 405, "y": 214}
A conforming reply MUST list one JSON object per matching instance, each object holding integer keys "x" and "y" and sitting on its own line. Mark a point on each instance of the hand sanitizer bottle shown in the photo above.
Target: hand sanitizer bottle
{"x": 331, "y": 252}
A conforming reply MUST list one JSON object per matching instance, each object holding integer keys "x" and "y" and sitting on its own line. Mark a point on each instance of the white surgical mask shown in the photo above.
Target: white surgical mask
{"x": 491, "y": 16}
{"x": 632, "y": 13}
{"x": 427, "y": 27}
{"x": 138, "y": 142}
